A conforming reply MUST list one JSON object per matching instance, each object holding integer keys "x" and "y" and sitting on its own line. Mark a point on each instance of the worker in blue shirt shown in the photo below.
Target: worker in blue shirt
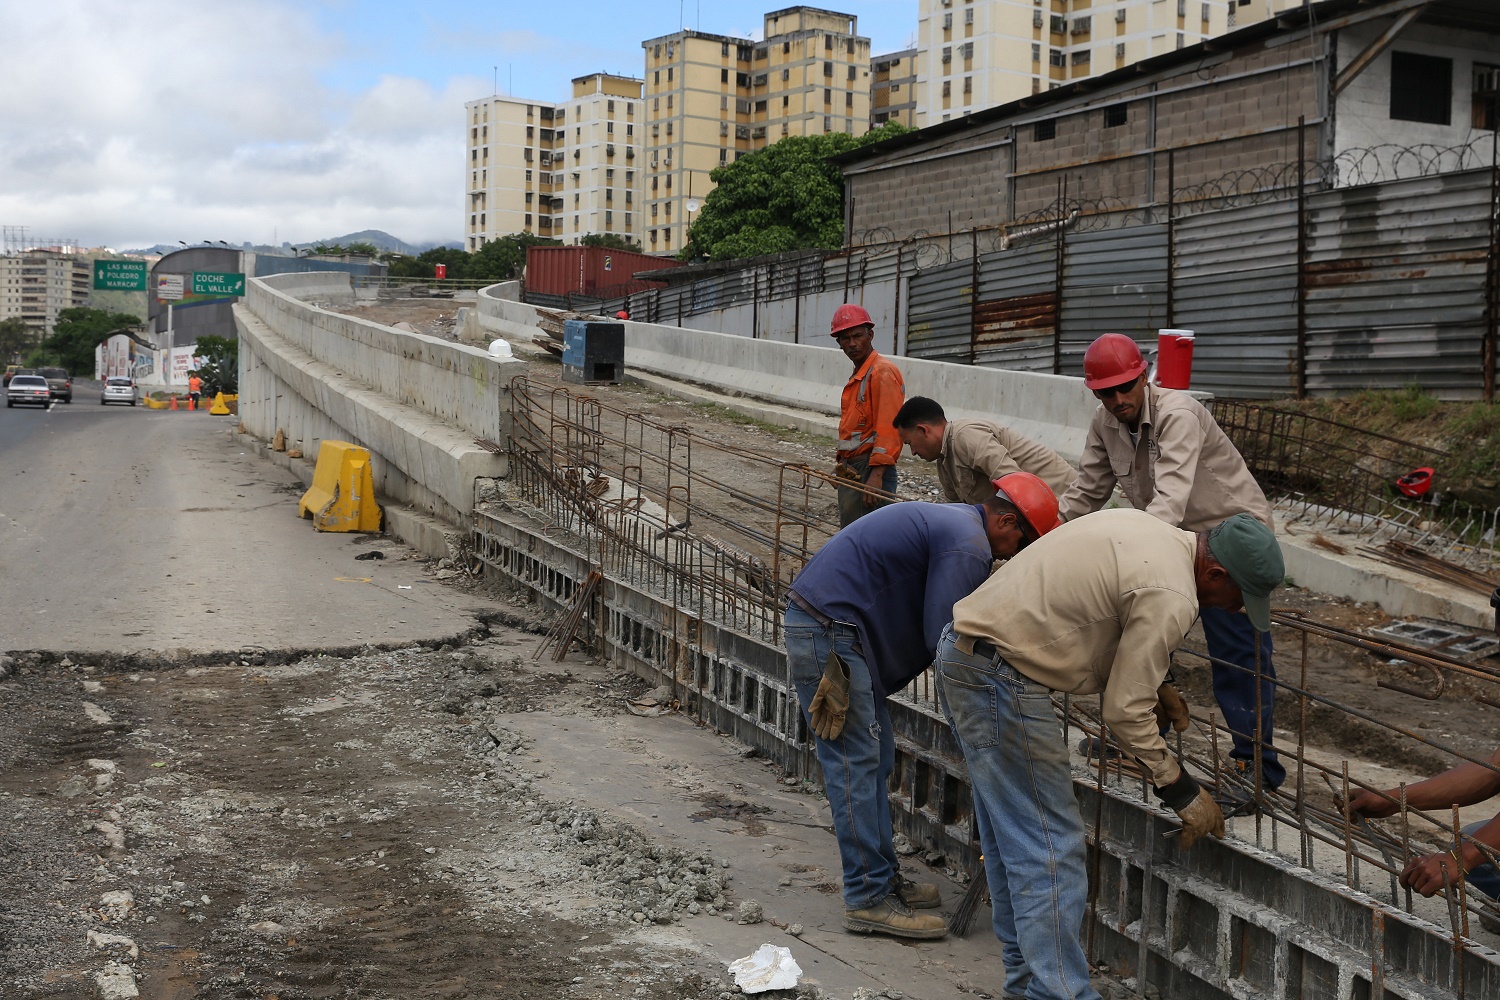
{"x": 863, "y": 619}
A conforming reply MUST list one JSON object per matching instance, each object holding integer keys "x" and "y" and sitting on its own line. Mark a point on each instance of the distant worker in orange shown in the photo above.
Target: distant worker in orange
{"x": 195, "y": 387}
{"x": 868, "y": 443}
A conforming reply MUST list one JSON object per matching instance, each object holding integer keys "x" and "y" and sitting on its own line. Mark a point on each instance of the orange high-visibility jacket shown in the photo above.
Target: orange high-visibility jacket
{"x": 871, "y": 398}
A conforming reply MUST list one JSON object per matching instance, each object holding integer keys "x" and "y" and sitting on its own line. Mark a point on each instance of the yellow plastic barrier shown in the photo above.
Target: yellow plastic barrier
{"x": 342, "y": 497}
{"x": 221, "y": 404}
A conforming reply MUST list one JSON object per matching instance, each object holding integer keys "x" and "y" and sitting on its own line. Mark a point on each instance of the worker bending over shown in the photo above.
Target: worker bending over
{"x": 972, "y": 454}
{"x": 862, "y": 620}
{"x": 868, "y": 445}
{"x": 1096, "y": 607}
{"x": 1172, "y": 460}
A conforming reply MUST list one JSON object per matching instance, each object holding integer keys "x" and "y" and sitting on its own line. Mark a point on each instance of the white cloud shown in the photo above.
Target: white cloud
{"x": 159, "y": 120}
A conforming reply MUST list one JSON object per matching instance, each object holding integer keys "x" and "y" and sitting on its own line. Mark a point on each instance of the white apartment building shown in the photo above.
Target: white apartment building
{"x": 39, "y": 284}
{"x": 560, "y": 170}
{"x": 975, "y": 54}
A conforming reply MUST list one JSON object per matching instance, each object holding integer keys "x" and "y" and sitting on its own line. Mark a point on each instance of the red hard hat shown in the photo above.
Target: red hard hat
{"x": 622, "y": 314}
{"x": 1110, "y": 360}
{"x": 847, "y": 317}
{"x": 1032, "y": 497}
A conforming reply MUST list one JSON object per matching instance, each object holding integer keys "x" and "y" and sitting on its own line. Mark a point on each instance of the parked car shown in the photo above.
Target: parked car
{"x": 11, "y": 371}
{"x": 60, "y": 381}
{"x": 117, "y": 389}
{"x": 28, "y": 389}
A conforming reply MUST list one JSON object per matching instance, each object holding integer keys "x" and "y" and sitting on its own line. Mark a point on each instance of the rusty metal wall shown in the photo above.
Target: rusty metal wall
{"x": 1114, "y": 281}
{"x": 1016, "y": 318}
{"x": 1396, "y": 285}
{"x": 1235, "y": 285}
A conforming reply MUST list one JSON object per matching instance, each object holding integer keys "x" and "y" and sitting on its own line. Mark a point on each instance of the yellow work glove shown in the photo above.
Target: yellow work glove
{"x": 1171, "y": 709}
{"x": 831, "y": 702}
{"x": 1200, "y": 817}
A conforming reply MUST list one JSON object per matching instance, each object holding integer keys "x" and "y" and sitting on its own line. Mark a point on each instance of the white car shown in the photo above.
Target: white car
{"x": 28, "y": 389}
{"x": 117, "y": 390}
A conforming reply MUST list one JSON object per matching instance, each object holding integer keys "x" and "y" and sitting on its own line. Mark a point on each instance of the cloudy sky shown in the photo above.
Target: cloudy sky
{"x": 131, "y": 123}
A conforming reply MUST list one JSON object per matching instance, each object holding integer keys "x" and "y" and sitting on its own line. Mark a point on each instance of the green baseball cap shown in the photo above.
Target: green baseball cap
{"x": 1249, "y": 553}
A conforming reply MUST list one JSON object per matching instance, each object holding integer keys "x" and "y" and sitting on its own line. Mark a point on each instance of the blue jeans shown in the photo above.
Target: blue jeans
{"x": 1231, "y": 638}
{"x": 857, "y": 764}
{"x": 1029, "y": 823}
{"x": 1483, "y": 877}
{"x": 852, "y": 502}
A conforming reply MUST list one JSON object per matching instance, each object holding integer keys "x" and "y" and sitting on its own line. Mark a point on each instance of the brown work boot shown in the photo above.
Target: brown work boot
{"x": 919, "y": 895}
{"x": 892, "y": 916}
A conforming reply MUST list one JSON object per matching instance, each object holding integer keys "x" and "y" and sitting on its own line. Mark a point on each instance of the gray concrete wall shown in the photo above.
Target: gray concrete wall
{"x": 416, "y": 402}
{"x": 1053, "y": 409}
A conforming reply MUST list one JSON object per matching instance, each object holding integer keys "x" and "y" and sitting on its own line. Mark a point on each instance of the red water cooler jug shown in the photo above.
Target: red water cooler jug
{"x": 1174, "y": 358}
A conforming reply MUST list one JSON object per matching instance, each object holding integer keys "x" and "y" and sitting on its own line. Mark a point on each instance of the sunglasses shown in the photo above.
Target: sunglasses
{"x": 1123, "y": 387}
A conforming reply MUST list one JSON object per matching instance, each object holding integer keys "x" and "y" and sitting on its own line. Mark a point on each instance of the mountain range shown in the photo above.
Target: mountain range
{"x": 379, "y": 238}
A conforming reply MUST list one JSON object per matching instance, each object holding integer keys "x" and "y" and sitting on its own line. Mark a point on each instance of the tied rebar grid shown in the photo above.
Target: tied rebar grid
{"x": 721, "y": 539}
{"x": 1332, "y": 476}
{"x": 627, "y": 491}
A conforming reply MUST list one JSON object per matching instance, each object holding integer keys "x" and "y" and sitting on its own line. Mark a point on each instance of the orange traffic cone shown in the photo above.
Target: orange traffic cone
{"x": 174, "y": 403}
{"x": 192, "y": 405}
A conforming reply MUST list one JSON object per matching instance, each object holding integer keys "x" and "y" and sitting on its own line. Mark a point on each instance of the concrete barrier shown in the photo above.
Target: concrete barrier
{"x": 416, "y": 403}
{"x": 1052, "y": 409}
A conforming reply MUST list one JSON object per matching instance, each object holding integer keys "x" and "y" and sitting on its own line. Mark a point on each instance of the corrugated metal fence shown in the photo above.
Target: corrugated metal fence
{"x": 1377, "y": 286}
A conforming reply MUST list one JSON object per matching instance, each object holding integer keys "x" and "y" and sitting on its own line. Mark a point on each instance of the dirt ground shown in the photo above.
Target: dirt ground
{"x": 363, "y": 826}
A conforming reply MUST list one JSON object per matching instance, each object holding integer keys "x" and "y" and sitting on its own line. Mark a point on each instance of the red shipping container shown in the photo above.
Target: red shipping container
{"x": 589, "y": 270}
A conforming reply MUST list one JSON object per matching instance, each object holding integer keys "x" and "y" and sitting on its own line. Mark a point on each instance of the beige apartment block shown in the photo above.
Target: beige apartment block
{"x": 975, "y": 54}
{"x": 893, "y": 88}
{"x": 39, "y": 284}
{"x": 563, "y": 170}
{"x": 712, "y": 98}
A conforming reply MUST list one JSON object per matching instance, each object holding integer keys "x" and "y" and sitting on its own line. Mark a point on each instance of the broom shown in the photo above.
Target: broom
{"x": 977, "y": 893}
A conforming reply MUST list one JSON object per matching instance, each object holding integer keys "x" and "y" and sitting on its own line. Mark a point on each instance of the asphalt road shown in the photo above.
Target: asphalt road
{"x": 126, "y": 529}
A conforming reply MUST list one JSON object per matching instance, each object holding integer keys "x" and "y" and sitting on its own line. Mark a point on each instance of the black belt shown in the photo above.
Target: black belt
{"x": 792, "y": 597}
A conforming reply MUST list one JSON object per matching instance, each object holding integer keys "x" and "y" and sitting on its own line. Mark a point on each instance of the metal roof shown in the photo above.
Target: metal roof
{"x": 1475, "y": 15}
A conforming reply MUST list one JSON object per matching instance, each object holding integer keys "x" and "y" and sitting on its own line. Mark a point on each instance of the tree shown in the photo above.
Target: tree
{"x": 363, "y": 248}
{"x": 14, "y": 336}
{"x": 502, "y": 259}
{"x": 75, "y": 335}
{"x": 784, "y": 197}
{"x": 458, "y": 261}
{"x": 610, "y": 241}
{"x": 220, "y": 367}
{"x": 330, "y": 249}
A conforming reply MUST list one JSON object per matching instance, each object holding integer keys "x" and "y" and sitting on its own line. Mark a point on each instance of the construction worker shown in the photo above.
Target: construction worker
{"x": 1474, "y": 859}
{"x": 972, "y": 454}
{"x": 862, "y": 620}
{"x": 868, "y": 444}
{"x": 1095, "y": 607}
{"x": 195, "y": 387}
{"x": 1171, "y": 459}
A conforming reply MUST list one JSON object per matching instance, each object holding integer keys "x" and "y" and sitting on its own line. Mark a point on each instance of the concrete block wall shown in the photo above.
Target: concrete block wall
{"x": 416, "y": 402}
{"x": 1052, "y": 409}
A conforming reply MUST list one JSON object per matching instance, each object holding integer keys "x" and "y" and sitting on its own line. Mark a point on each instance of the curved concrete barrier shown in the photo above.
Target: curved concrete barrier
{"x": 1052, "y": 409}
{"x": 415, "y": 402}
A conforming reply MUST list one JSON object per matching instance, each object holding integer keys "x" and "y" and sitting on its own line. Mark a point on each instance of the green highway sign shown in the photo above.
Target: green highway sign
{"x": 120, "y": 275}
{"x": 218, "y": 283}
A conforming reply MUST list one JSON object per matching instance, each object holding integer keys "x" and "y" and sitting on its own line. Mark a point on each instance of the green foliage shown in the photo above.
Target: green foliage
{"x": 502, "y": 259}
{"x": 361, "y": 247}
{"x": 784, "y": 197}
{"x": 330, "y": 249}
{"x": 400, "y": 266}
{"x": 14, "y": 338}
{"x": 75, "y": 335}
{"x": 220, "y": 367}
{"x": 609, "y": 241}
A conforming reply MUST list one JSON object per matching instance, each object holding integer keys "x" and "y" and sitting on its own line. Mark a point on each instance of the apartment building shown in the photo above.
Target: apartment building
{"x": 39, "y": 284}
{"x": 975, "y": 54}
{"x": 561, "y": 170}
{"x": 893, "y": 88}
{"x": 712, "y": 98}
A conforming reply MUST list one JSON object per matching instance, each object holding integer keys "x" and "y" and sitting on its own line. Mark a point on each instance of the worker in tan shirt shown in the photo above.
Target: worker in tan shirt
{"x": 972, "y": 454}
{"x": 1095, "y": 606}
{"x": 1171, "y": 459}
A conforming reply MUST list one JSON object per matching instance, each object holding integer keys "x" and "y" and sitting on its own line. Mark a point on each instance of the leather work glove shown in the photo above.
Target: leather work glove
{"x": 831, "y": 702}
{"x": 843, "y": 470}
{"x": 1200, "y": 817}
{"x": 1171, "y": 709}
